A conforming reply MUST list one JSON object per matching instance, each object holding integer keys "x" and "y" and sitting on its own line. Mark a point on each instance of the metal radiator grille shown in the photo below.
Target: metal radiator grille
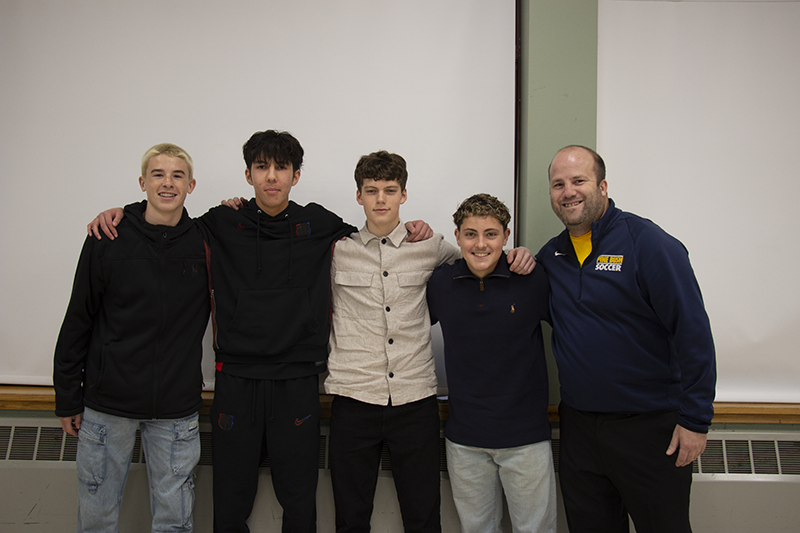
{"x": 726, "y": 452}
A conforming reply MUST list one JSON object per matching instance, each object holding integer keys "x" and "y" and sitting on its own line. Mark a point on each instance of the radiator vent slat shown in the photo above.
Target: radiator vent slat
{"x": 23, "y": 443}
{"x": 737, "y": 456}
{"x": 5, "y": 439}
{"x": 713, "y": 459}
{"x": 50, "y": 444}
{"x": 789, "y": 452}
{"x": 765, "y": 457}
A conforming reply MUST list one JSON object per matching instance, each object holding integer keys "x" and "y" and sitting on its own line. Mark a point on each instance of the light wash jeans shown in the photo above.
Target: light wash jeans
{"x": 105, "y": 443}
{"x": 479, "y": 476}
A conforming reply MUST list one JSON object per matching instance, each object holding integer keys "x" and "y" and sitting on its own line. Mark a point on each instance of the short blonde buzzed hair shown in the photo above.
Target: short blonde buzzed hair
{"x": 167, "y": 149}
{"x": 482, "y": 205}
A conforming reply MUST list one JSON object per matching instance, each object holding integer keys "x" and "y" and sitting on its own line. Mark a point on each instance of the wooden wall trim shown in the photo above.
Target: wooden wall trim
{"x": 31, "y": 398}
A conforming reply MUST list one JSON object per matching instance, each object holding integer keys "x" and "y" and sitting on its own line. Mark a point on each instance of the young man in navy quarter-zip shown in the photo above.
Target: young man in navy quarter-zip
{"x": 497, "y": 433}
{"x": 129, "y": 351}
{"x": 635, "y": 358}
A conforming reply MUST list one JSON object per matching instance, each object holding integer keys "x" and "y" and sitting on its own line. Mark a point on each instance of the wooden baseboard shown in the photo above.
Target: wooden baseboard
{"x": 32, "y": 398}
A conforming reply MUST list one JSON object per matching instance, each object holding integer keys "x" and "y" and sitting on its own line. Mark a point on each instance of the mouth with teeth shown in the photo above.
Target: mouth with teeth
{"x": 572, "y": 204}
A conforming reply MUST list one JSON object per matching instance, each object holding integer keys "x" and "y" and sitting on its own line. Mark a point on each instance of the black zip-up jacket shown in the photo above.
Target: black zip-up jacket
{"x": 271, "y": 299}
{"x": 131, "y": 341}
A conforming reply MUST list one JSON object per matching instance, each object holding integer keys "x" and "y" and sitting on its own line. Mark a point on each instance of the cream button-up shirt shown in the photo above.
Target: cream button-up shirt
{"x": 380, "y": 342}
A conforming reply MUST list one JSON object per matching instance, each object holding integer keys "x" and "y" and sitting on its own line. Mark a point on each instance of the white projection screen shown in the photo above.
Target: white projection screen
{"x": 87, "y": 86}
{"x": 699, "y": 124}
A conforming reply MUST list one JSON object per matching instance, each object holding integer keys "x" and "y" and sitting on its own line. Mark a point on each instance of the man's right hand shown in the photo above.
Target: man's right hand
{"x": 71, "y": 424}
{"x": 107, "y": 221}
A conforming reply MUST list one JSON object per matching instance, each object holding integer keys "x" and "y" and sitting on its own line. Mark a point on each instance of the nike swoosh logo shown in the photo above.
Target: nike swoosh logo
{"x": 559, "y": 253}
{"x": 297, "y": 421}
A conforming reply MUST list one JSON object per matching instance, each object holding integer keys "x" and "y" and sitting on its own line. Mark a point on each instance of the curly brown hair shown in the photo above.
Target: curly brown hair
{"x": 482, "y": 205}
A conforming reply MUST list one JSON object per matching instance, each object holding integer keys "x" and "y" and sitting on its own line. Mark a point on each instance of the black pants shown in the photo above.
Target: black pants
{"x": 613, "y": 464}
{"x": 251, "y": 417}
{"x": 411, "y": 433}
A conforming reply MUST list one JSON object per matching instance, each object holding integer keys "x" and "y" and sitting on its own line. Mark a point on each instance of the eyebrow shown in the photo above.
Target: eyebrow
{"x": 179, "y": 171}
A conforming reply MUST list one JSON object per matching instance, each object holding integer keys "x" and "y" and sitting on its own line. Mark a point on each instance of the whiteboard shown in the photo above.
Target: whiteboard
{"x": 699, "y": 125}
{"x": 87, "y": 86}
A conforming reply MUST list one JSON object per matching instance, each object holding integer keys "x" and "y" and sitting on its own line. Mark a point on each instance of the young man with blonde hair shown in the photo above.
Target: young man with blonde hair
{"x": 129, "y": 351}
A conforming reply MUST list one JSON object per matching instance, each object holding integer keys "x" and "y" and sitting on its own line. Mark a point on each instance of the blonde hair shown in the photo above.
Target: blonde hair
{"x": 171, "y": 150}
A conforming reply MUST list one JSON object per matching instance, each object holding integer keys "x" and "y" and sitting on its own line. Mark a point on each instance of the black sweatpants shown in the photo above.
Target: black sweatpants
{"x": 612, "y": 464}
{"x": 411, "y": 432}
{"x": 251, "y": 417}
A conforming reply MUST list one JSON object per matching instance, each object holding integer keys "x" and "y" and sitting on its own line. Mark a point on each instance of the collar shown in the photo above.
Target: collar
{"x": 396, "y": 237}
{"x": 461, "y": 270}
{"x": 291, "y": 209}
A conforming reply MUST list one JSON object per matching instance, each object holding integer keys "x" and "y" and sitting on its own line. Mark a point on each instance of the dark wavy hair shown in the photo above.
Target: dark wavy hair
{"x": 381, "y": 165}
{"x": 272, "y": 145}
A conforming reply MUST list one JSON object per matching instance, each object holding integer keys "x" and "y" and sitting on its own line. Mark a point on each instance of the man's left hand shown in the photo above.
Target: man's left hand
{"x": 521, "y": 260}
{"x": 418, "y": 230}
{"x": 691, "y": 444}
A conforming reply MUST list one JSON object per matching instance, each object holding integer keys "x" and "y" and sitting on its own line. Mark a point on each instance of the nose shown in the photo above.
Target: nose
{"x": 569, "y": 190}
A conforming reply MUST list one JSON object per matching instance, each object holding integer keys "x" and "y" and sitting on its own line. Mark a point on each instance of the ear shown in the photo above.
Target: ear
{"x": 603, "y": 187}
{"x": 247, "y": 176}
{"x": 457, "y": 236}
{"x": 358, "y": 197}
{"x": 404, "y": 196}
{"x": 296, "y": 177}
{"x": 505, "y": 237}
{"x": 191, "y": 185}
{"x": 141, "y": 182}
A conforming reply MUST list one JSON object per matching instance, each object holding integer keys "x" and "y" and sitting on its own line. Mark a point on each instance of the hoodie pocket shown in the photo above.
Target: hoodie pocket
{"x": 269, "y": 322}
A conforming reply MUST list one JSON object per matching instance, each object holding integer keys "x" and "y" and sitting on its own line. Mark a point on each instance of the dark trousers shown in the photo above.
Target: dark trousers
{"x": 411, "y": 433}
{"x": 251, "y": 418}
{"x": 614, "y": 464}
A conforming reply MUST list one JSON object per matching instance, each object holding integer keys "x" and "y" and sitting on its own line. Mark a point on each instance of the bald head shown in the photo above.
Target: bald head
{"x": 598, "y": 163}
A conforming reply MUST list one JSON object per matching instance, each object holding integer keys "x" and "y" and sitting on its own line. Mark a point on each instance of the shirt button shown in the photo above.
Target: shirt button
{"x": 385, "y": 273}
{"x": 383, "y": 241}
{"x": 391, "y": 341}
{"x": 391, "y": 374}
{"x": 388, "y": 308}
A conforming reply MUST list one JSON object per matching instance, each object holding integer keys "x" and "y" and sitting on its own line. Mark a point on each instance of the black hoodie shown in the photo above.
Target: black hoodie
{"x": 131, "y": 341}
{"x": 271, "y": 285}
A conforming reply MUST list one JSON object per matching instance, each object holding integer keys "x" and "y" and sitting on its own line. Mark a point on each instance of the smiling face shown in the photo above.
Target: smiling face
{"x": 575, "y": 196}
{"x": 166, "y": 183}
{"x": 272, "y": 183}
{"x": 381, "y": 200}
{"x": 481, "y": 240}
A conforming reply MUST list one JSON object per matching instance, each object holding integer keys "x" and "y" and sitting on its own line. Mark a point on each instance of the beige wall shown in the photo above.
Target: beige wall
{"x": 559, "y": 107}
